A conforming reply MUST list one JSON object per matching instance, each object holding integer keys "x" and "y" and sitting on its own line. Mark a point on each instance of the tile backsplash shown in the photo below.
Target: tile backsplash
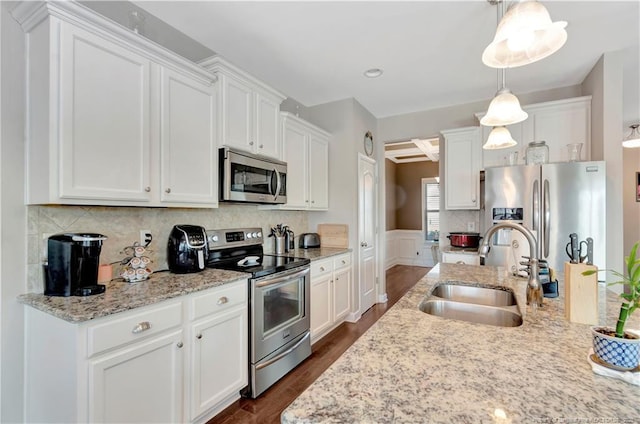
{"x": 122, "y": 226}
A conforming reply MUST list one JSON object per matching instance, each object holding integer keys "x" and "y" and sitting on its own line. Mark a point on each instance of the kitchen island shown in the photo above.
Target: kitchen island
{"x": 414, "y": 367}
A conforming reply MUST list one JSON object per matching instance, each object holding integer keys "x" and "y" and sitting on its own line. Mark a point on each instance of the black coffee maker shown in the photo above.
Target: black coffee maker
{"x": 72, "y": 267}
{"x": 187, "y": 249}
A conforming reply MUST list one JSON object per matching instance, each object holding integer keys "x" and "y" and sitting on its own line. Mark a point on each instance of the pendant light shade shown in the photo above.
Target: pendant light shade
{"x": 504, "y": 109}
{"x": 524, "y": 35}
{"x": 633, "y": 139}
{"x": 499, "y": 138}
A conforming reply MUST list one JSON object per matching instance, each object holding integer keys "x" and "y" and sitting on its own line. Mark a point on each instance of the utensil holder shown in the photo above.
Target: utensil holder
{"x": 279, "y": 244}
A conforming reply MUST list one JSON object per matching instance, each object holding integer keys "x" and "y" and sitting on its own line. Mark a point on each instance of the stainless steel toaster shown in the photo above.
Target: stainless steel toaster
{"x": 309, "y": 240}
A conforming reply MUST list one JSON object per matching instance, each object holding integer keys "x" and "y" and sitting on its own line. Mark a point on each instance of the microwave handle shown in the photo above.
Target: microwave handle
{"x": 278, "y": 184}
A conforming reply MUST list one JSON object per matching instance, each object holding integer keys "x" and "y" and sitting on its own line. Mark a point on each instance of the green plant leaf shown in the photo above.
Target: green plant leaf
{"x": 590, "y": 272}
{"x": 631, "y": 260}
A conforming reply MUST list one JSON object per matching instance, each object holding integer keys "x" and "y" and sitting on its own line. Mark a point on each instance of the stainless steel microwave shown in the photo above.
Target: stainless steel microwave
{"x": 249, "y": 178}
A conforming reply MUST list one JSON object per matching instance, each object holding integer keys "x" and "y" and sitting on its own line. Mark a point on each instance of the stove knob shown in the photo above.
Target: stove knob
{"x": 214, "y": 239}
{"x": 248, "y": 235}
{"x": 255, "y": 235}
{"x": 259, "y": 234}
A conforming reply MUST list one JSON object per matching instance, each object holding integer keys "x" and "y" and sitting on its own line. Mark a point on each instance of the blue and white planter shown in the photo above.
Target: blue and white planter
{"x": 620, "y": 353}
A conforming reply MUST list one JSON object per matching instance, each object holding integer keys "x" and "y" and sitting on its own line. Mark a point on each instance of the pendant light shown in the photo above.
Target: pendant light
{"x": 633, "y": 139}
{"x": 505, "y": 107}
{"x": 499, "y": 138}
{"x": 525, "y": 35}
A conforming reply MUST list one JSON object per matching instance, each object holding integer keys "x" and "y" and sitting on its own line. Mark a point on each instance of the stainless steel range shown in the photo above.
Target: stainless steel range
{"x": 279, "y": 290}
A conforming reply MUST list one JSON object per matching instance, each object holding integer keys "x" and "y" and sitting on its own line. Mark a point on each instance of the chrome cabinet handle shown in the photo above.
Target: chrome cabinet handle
{"x": 179, "y": 344}
{"x": 344, "y": 262}
{"x": 199, "y": 336}
{"x": 142, "y": 326}
{"x": 321, "y": 268}
{"x": 251, "y": 143}
{"x": 261, "y": 146}
{"x": 363, "y": 244}
{"x": 168, "y": 190}
{"x": 147, "y": 189}
{"x": 223, "y": 300}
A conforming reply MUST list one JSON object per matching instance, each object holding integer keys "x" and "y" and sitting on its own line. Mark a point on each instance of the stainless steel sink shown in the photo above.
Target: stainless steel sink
{"x": 477, "y": 295}
{"x": 483, "y": 305}
{"x": 481, "y": 314}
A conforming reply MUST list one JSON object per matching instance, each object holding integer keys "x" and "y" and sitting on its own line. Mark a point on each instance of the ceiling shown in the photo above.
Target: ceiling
{"x": 316, "y": 52}
{"x": 414, "y": 150}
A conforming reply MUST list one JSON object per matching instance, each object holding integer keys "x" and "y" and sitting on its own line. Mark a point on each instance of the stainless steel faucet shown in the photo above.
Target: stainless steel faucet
{"x": 534, "y": 287}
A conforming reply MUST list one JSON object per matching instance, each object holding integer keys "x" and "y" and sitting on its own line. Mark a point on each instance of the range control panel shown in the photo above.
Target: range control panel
{"x": 221, "y": 239}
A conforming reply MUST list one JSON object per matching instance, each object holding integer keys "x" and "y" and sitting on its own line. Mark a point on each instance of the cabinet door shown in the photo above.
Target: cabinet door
{"x": 220, "y": 358}
{"x": 462, "y": 168}
{"x": 188, "y": 171}
{"x": 237, "y": 103}
{"x": 139, "y": 383}
{"x": 561, "y": 124}
{"x": 321, "y": 293}
{"x": 104, "y": 119}
{"x": 295, "y": 145}
{"x": 460, "y": 258}
{"x": 267, "y": 128}
{"x": 318, "y": 173}
{"x": 341, "y": 294}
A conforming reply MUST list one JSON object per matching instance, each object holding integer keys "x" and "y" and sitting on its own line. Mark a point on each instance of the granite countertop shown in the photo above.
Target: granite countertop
{"x": 120, "y": 296}
{"x": 414, "y": 367}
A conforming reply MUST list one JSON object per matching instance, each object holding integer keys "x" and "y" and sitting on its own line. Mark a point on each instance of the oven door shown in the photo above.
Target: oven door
{"x": 246, "y": 178}
{"x": 280, "y": 311}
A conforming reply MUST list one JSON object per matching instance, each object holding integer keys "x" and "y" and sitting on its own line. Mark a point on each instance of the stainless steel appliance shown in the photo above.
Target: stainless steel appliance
{"x": 309, "y": 240}
{"x": 72, "y": 264}
{"x": 553, "y": 201}
{"x": 187, "y": 249}
{"x": 279, "y": 296}
{"x": 245, "y": 177}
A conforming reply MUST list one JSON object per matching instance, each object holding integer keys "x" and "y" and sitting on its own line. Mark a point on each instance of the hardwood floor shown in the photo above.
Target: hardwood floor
{"x": 267, "y": 408}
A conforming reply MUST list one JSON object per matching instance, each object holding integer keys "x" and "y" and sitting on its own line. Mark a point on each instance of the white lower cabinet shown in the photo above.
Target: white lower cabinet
{"x": 460, "y": 258}
{"x": 181, "y": 360}
{"x": 330, "y": 294}
{"x": 139, "y": 383}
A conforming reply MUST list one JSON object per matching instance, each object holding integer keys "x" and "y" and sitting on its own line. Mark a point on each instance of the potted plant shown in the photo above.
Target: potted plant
{"x": 617, "y": 347}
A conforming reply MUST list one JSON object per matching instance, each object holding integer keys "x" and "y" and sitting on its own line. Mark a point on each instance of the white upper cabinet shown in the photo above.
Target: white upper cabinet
{"x": 306, "y": 150}
{"x": 248, "y": 111}
{"x": 113, "y": 119}
{"x": 463, "y": 158}
{"x": 188, "y": 172}
{"x": 558, "y": 123}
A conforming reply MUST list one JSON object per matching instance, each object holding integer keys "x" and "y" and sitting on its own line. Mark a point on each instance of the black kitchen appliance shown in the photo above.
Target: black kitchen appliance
{"x": 187, "y": 249}
{"x": 72, "y": 264}
{"x": 279, "y": 303}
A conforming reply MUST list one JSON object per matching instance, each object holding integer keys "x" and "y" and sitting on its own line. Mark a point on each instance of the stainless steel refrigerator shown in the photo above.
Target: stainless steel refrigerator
{"x": 553, "y": 201}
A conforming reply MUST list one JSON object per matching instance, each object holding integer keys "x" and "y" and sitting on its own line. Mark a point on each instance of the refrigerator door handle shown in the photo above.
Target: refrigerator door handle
{"x": 547, "y": 216}
{"x": 536, "y": 206}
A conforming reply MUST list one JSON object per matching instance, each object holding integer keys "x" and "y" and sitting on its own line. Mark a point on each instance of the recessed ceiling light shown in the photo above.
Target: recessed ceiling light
{"x": 373, "y": 73}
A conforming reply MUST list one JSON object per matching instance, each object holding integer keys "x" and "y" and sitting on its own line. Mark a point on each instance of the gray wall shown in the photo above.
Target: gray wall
{"x": 390, "y": 194}
{"x": 604, "y": 84}
{"x": 409, "y": 192}
{"x": 13, "y": 227}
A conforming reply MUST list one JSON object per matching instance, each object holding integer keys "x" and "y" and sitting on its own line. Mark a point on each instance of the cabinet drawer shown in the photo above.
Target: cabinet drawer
{"x": 219, "y": 299}
{"x": 342, "y": 261}
{"x": 118, "y": 331}
{"x": 319, "y": 268}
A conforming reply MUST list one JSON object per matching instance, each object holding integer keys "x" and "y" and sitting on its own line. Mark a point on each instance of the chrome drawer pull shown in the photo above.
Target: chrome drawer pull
{"x": 199, "y": 336}
{"x": 321, "y": 268}
{"x": 223, "y": 300}
{"x": 179, "y": 344}
{"x": 143, "y": 326}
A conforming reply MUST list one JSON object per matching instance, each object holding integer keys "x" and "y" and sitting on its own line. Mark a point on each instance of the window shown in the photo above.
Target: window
{"x": 431, "y": 202}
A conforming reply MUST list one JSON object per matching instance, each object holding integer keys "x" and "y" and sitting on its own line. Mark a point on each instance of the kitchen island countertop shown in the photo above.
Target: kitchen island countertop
{"x": 414, "y": 367}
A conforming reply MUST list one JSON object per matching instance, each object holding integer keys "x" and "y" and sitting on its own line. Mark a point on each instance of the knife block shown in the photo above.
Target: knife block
{"x": 580, "y": 294}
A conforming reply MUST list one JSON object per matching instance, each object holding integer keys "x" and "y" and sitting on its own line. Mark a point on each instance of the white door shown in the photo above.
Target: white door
{"x": 267, "y": 127}
{"x": 294, "y": 141}
{"x": 367, "y": 219}
{"x": 319, "y": 172}
{"x": 188, "y": 111}
{"x": 237, "y": 101}
{"x": 141, "y": 383}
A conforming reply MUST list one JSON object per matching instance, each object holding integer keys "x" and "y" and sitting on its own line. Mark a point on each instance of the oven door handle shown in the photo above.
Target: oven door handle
{"x": 273, "y": 281}
{"x": 283, "y": 354}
